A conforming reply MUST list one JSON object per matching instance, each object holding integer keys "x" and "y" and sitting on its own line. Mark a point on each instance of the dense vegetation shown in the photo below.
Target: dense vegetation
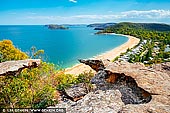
{"x": 33, "y": 88}
{"x": 156, "y": 35}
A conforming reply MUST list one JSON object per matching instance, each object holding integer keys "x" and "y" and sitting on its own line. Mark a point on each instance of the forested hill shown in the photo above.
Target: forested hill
{"x": 146, "y": 26}
{"x": 155, "y": 31}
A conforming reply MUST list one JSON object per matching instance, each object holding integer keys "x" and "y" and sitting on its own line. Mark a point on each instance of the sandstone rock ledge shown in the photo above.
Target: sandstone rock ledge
{"x": 154, "y": 79}
{"x": 15, "y": 67}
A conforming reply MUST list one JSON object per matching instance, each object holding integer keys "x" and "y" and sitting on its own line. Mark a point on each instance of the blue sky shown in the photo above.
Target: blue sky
{"x": 30, "y": 12}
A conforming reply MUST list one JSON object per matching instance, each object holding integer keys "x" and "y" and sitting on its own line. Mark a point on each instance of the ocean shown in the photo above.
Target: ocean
{"x": 62, "y": 47}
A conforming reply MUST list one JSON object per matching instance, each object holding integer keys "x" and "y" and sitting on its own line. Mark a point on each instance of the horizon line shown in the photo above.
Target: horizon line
{"x": 88, "y": 23}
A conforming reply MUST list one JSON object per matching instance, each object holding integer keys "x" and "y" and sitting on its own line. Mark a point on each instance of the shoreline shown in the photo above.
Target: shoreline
{"x": 111, "y": 54}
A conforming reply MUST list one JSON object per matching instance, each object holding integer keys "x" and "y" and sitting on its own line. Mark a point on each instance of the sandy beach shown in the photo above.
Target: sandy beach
{"x": 80, "y": 68}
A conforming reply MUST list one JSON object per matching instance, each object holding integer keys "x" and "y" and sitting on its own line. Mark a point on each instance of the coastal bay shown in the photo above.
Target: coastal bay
{"x": 110, "y": 55}
{"x": 61, "y": 47}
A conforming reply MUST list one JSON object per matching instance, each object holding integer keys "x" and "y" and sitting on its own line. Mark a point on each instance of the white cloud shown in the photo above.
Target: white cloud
{"x": 150, "y": 14}
{"x": 134, "y": 15}
{"x": 74, "y": 1}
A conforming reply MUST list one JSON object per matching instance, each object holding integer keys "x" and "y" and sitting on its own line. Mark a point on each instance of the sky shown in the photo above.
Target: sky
{"x": 38, "y": 12}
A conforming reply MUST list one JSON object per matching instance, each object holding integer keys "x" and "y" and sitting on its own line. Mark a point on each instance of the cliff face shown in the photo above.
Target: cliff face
{"x": 122, "y": 87}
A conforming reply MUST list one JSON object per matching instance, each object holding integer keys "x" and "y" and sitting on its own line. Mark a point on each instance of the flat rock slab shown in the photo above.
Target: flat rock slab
{"x": 12, "y": 67}
{"x": 153, "y": 79}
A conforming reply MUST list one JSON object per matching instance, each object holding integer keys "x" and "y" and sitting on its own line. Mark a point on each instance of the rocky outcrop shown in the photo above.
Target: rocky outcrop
{"x": 75, "y": 92}
{"x": 95, "y": 102}
{"x": 151, "y": 79}
{"x": 122, "y": 87}
{"x": 131, "y": 92}
{"x": 15, "y": 67}
{"x": 94, "y": 64}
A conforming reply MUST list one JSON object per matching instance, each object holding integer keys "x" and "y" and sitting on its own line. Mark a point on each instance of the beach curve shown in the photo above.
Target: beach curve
{"x": 112, "y": 54}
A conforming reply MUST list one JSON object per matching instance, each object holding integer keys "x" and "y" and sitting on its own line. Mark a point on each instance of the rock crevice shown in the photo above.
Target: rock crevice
{"x": 106, "y": 79}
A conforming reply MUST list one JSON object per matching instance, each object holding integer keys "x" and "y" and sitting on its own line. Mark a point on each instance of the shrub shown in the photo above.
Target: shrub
{"x": 34, "y": 53}
{"x": 9, "y": 52}
{"x": 31, "y": 89}
{"x": 65, "y": 81}
{"x": 84, "y": 77}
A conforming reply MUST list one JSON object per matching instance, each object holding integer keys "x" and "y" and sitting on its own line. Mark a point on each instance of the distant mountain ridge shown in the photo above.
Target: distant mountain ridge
{"x": 146, "y": 26}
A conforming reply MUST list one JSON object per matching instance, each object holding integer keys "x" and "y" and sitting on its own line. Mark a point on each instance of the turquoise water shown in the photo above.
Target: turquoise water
{"x": 62, "y": 47}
